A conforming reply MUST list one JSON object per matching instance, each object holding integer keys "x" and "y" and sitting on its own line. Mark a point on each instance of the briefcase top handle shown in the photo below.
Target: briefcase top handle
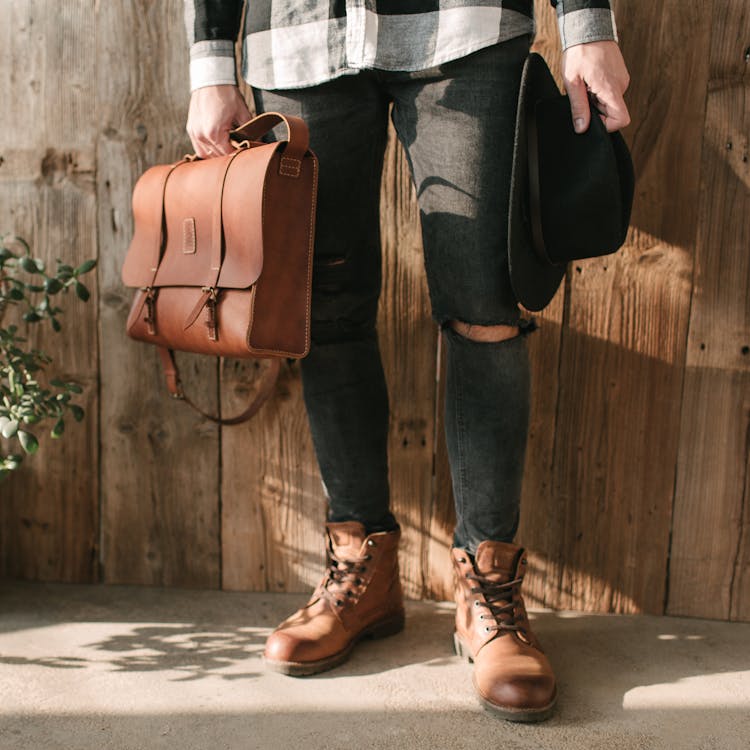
{"x": 298, "y": 134}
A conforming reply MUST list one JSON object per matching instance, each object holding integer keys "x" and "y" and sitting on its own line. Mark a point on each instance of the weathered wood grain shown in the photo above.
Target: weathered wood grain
{"x": 710, "y": 559}
{"x": 159, "y": 460}
{"x": 408, "y": 339}
{"x": 640, "y": 369}
{"x": 542, "y": 516}
{"x": 273, "y": 507}
{"x": 623, "y": 344}
{"x": 49, "y": 508}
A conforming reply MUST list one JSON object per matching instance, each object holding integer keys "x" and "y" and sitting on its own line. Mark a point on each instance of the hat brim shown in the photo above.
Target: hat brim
{"x": 534, "y": 281}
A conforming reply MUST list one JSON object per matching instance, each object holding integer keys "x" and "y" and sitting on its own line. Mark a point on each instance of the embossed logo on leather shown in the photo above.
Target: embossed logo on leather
{"x": 188, "y": 236}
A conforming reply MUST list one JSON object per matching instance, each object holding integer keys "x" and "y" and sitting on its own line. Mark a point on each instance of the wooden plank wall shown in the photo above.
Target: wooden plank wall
{"x": 636, "y": 477}
{"x": 49, "y": 512}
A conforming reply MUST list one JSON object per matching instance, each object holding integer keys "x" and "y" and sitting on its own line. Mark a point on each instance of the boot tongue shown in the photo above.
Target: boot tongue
{"x": 346, "y": 538}
{"x": 497, "y": 560}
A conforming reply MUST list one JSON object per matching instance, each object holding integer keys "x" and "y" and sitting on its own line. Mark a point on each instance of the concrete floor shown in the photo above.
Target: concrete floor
{"x": 142, "y": 667}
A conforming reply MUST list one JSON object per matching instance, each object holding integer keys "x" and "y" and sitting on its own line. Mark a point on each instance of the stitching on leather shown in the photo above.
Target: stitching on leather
{"x": 188, "y": 236}
{"x": 309, "y": 274}
{"x": 310, "y": 251}
{"x": 289, "y": 166}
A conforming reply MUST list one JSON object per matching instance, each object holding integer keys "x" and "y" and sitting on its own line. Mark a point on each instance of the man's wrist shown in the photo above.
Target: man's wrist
{"x": 212, "y": 63}
{"x": 583, "y": 25}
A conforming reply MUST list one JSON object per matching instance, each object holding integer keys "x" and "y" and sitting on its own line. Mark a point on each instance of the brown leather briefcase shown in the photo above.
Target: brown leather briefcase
{"x": 221, "y": 254}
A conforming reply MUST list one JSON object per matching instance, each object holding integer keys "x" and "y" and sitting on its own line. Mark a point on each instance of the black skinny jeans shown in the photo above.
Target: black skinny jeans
{"x": 456, "y": 124}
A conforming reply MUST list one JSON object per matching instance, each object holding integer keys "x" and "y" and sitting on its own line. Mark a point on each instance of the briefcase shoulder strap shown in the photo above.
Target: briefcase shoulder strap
{"x": 265, "y": 388}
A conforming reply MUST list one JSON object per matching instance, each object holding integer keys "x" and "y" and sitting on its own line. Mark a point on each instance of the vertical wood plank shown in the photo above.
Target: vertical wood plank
{"x": 408, "y": 339}
{"x": 624, "y": 342}
{"x": 49, "y": 508}
{"x": 160, "y": 486}
{"x": 273, "y": 507}
{"x": 710, "y": 542}
{"x": 542, "y": 516}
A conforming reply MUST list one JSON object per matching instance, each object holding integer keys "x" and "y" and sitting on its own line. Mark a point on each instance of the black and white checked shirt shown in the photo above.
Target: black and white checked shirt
{"x": 298, "y": 43}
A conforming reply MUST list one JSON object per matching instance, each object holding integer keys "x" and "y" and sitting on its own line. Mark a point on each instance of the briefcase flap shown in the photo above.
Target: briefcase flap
{"x": 198, "y": 217}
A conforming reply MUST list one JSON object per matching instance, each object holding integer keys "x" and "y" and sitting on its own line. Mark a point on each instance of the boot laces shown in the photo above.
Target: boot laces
{"x": 341, "y": 577}
{"x": 499, "y": 600}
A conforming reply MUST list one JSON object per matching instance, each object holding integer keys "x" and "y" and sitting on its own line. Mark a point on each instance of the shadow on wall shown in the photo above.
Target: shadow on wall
{"x": 598, "y": 523}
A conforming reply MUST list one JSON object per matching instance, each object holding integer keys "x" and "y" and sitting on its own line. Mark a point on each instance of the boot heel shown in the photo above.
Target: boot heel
{"x": 389, "y": 626}
{"x": 460, "y": 649}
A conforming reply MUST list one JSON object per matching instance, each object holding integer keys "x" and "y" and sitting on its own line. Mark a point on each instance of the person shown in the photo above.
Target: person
{"x": 448, "y": 71}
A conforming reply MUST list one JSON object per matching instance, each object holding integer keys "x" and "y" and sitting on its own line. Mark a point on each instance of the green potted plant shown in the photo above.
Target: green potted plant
{"x": 26, "y": 402}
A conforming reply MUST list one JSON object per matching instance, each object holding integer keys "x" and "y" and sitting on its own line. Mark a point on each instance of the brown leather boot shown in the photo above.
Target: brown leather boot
{"x": 511, "y": 673}
{"x": 359, "y": 597}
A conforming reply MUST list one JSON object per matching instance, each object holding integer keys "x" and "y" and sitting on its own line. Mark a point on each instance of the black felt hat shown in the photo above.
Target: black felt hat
{"x": 571, "y": 194}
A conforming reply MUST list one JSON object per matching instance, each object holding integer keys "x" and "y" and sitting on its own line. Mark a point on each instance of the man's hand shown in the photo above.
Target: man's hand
{"x": 214, "y": 111}
{"x": 599, "y": 68}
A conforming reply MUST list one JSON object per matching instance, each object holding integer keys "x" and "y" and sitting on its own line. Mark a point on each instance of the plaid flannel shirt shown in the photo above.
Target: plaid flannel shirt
{"x": 298, "y": 43}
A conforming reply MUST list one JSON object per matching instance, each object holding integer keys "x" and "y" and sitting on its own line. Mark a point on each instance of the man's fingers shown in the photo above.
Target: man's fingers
{"x": 202, "y": 147}
{"x": 617, "y": 116}
{"x": 579, "y": 104}
{"x": 613, "y": 109}
{"x": 220, "y": 144}
{"x": 213, "y": 112}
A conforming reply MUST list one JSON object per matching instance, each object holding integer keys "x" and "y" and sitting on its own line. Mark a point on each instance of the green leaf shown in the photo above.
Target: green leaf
{"x": 31, "y": 317}
{"x": 52, "y": 286}
{"x": 28, "y": 264}
{"x": 13, "y": 461}
{"x": 10, "y": 428}
{"x": 28, "y": 441}
{"x": 77, "y": 412}
{"x": 56, "y": 325}
{"x": 20, "y": 240}
{"x": 58, "y": 429}
{"x": 82, "y": 291}
{"x": 15, "y": 294}
{"x": 74, "y": 388}
{"x": 85, "y": 267}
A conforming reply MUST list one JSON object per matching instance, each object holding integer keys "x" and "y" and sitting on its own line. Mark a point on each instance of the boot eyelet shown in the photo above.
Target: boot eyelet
{"x": 362, "y": 569}
{"x": 481, "y": 617}
{"x": 476, "y": 602}
{"x": 487, "y": 629}
{"x": 462, "y": 559}
{"x": 339, "y": 603}
{"x": 371, "y": 543}
{"x": 358, "y": 582}
{"x": 349, "y": 594}
{"x": 368, "y": 557}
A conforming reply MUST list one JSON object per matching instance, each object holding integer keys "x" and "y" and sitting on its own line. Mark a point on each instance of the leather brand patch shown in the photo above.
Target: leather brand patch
{"x": 188, "y": 236}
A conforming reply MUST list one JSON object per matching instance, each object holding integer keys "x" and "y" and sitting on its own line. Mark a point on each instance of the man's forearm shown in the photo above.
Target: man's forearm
{"x": 582, "y": 21}
{"x": 212, "y": 28}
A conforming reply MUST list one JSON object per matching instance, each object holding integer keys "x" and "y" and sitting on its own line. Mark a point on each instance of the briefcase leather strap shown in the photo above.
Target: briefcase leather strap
{"x": 265, "y": 388}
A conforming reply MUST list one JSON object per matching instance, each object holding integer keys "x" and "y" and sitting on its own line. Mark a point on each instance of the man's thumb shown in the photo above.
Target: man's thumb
{"x": 579, "y": 105}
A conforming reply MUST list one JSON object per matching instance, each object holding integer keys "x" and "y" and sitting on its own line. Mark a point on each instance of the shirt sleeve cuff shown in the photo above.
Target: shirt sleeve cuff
{"x": 585, "y": 25}
{"x": 212, "y": 63}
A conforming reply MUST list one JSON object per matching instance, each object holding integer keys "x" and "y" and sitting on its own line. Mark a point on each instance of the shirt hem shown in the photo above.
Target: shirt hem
{"x": 349, "y": 70}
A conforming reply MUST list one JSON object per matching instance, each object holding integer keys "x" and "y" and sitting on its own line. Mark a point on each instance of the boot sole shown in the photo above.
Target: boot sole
{"x": 510, "y": 713}
{"x": 381, "y": 629}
